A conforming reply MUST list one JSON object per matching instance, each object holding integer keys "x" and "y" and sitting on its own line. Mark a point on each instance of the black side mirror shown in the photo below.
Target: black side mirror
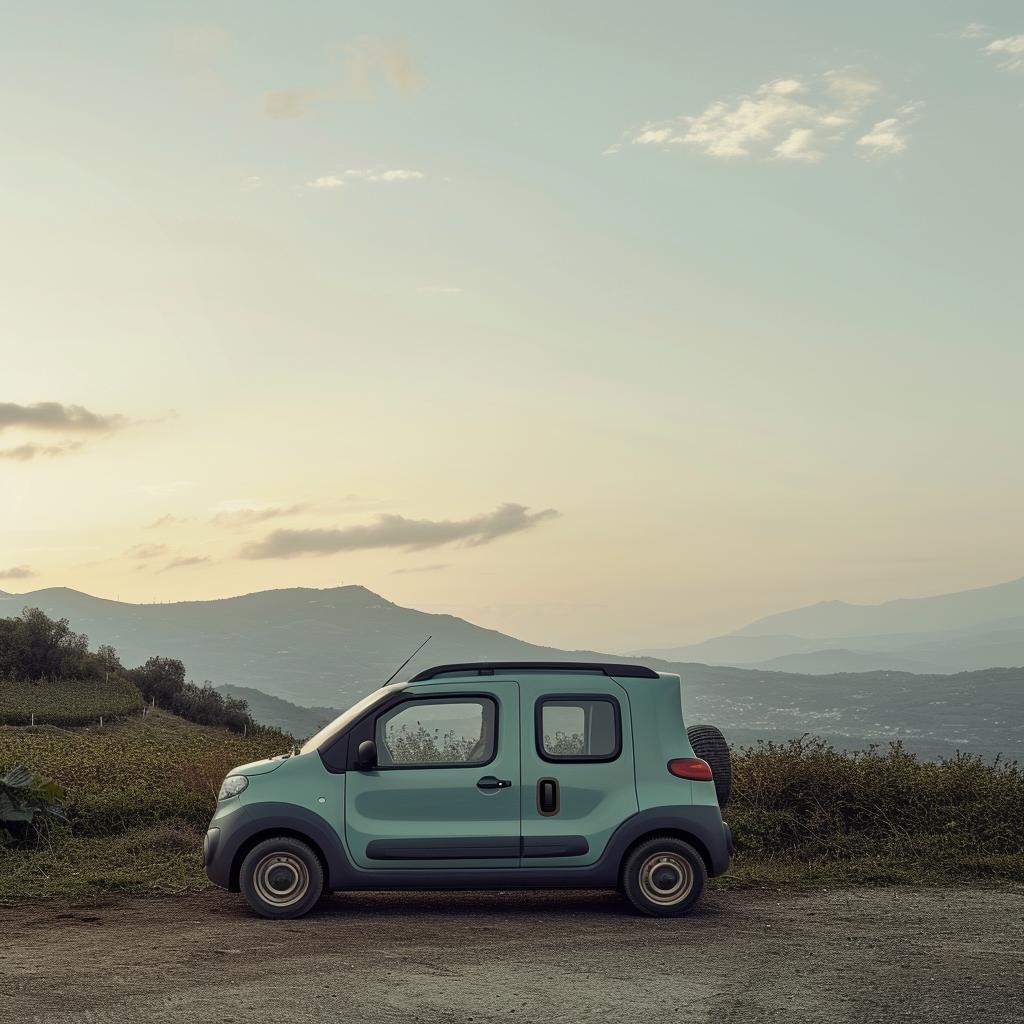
{"x": 366, "y": 755}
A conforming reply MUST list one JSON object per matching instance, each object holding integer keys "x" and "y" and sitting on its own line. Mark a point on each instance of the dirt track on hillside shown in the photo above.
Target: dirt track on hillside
{"x": 857, "y": 955}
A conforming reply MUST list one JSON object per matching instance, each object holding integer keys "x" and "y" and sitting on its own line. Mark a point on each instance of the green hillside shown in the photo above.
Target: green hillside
{"x": 140, "y": 793}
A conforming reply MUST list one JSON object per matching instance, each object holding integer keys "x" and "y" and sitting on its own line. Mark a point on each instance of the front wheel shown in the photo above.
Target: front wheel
{"x": 281, "y": 877}
{"x": 664, "y": 877}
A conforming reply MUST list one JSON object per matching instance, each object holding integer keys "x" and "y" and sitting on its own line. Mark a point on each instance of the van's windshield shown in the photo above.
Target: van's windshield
{"x": 348, "y": 716}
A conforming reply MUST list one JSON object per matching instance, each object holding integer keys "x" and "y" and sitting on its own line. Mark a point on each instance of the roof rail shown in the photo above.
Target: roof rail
{"x": 489, "y": 668}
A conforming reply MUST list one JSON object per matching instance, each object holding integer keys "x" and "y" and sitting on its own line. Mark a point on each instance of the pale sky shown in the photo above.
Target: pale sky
{"x": 608, "y": 325}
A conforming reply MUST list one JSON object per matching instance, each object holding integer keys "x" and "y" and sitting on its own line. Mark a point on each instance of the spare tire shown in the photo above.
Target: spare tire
{"x": 709, "y": 745}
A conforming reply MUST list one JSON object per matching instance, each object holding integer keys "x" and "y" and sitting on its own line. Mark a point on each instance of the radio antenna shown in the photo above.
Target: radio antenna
{"x": 407, "y": 660}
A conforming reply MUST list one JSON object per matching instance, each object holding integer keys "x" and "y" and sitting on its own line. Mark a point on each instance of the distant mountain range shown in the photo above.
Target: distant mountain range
{"x": 284, "y": 650}
{"x": 311, "y": 646}
{"x": 971, "y": 629}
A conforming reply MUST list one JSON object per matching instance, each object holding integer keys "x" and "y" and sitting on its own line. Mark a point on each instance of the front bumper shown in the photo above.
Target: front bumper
{"x": 210, "y": 842}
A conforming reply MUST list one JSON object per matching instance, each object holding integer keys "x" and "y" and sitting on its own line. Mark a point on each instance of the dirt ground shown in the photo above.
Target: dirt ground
{"x": 858, "y": 955}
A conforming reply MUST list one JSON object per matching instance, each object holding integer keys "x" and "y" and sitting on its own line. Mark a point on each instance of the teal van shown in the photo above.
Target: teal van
{"x": 492, "y": 775}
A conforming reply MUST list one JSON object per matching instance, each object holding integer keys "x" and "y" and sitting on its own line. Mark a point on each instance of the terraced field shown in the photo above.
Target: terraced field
{"x": 67, "y": 703}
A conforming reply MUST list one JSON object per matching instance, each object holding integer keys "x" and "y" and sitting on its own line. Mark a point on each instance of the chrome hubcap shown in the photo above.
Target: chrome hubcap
{"x": 281, "y": 879}
{"x": 666, "y": 878}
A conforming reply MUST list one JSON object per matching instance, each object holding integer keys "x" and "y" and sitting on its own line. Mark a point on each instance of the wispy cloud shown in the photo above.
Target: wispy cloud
{"x": 789, "y": 119}
{"x": 890, "y": 136}
{"x": 167, "y": 520}
{"x": 141, "y": 552}
{"x": 289, "y": 103}
{"x": 390, "y": 175}
{"x": 18, "y": 572}
{"x": 327, "y": 181}
{"x": 185, "y": 561}
{"x": 852, "y": 88}
{"x": 419, "y": 568}
{"x": 1010, "y": 50}
{"x": 392, "y": 531}
{"x": 25, "y": 452}
{"x": 798, "y": 145}
{"x": 386, "y": 175}
{"x": 57, "y": 416}
{"x": 235, "y": 514}
{"x": 368, "y": 63}
{"x": 974, "y": 30}
{"x": 387, "y": 59}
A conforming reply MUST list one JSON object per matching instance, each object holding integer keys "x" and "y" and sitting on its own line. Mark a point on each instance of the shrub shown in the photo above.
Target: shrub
{"x": 162, "y": 680}
{"x": 34, "y": 646}
{"x": 805, "y": 801}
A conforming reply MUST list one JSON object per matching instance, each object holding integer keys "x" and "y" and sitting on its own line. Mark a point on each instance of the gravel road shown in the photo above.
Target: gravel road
{"x": 858, "y": 955}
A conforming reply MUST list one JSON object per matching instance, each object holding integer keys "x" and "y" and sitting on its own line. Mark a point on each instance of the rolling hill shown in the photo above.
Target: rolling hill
{"x": 326, "y": 648}
{"x": 310, "y": 646}
{"x": 966, "y": 608}
{"x": 971, "y": 629}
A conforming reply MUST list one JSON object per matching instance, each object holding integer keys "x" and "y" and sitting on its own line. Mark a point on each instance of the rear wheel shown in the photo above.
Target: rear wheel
{"x": 709, "y": 745}
{"x": 281, "y": 877}
{"x": 664, "y": 877}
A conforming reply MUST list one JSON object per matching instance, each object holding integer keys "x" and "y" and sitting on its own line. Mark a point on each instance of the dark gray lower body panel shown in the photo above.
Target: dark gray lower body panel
{"x": 461, "y": 848}
{"x": 555, "y": 846}
{"x": 477, "y": 848}
{"x": 702, "y": 826}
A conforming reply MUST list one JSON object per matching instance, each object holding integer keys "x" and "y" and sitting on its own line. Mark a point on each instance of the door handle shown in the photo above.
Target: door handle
{"x": 490, "y": 782}
{"x": 547, "y": 796}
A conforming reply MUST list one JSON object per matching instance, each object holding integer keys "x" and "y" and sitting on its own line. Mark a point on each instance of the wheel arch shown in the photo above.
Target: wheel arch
{"x": 669, "y": 833}
{"x": 257, "y": 822}
{"x": 699, "y": 825}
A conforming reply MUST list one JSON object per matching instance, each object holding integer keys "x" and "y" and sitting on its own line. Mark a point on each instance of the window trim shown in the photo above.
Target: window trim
{"x": 440, "y": 698}
{"x": 563, "y": 698}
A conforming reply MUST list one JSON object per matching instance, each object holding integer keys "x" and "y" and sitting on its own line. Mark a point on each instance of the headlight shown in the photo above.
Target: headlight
{"x": 232, "y": 786}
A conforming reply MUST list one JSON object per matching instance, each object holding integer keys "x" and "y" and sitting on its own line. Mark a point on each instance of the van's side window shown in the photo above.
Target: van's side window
{"x": 571, "y": 728}
{"x": 437, "y": 733}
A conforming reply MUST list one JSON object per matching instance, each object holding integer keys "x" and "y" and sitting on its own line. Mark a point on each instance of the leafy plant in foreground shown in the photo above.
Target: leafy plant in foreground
{"x": 25, "y": 796}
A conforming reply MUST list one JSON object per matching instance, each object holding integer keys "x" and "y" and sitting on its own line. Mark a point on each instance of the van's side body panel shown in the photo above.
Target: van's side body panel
{"x": 439, "y": 816}
{"x": 659, "y": 734}
{"x": 593, "y": 797}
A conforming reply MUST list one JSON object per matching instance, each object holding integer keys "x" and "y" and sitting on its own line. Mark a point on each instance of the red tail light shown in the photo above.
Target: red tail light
{"x": 690, "y": 768}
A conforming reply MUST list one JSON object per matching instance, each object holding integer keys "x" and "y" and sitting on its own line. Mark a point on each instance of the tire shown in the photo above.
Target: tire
{"x": 709, "y": 745}
{"x": 281, "y": 878}
{"x": 664, "y": 877}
